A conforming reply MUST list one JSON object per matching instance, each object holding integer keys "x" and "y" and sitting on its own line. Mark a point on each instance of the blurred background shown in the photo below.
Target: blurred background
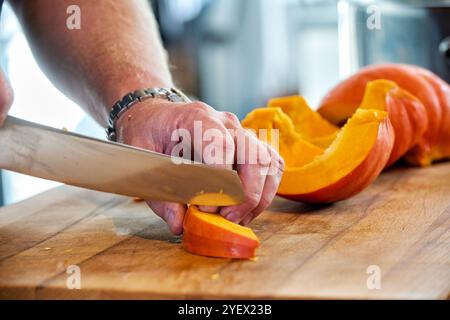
{"x": 235, "y": 54}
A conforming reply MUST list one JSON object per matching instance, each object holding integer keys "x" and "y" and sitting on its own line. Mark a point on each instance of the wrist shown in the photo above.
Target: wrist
{"x": 132, "y": 100}
{"x": 117, "y": 90}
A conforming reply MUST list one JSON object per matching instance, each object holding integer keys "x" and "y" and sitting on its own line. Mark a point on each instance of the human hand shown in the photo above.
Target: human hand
{"x": 6, "y": 97}
{"x": 150, "y": 125}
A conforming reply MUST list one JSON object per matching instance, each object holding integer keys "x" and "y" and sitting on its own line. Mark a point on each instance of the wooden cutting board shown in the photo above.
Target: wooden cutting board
{"x": 400, "y": 226}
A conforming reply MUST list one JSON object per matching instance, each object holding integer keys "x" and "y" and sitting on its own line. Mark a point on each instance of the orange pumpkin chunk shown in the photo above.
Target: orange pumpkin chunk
{"x": 210, "y": 234}
{"x": 354, "y": 159}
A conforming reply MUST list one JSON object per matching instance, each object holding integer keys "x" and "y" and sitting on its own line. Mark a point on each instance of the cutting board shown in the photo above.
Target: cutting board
{"x": 390, "y": 241}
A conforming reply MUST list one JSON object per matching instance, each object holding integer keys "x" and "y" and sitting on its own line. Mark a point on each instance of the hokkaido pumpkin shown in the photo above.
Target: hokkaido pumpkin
{"x": 294, "y": 150}
{"x": 309, "y": 124}
{"x": 433, "y": 92}
{"x": 210, "y": 234}
{"x": 354, "y": 159}
{"x": 406, "y": 113}
{"x": 441, "y": 142}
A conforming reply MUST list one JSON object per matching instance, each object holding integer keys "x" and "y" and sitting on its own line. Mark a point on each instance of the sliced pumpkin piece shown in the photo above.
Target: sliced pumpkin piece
{"x": 293, "y": 148}
{"x": 308, "y": 123}
{"x": 205, "y": 246}
{"x": 210, "y": 234}
{"x": 406, "y": 113}
{"x": 354, "y": 159}
{"x": 441, "y": 142}
{"x": 433, "y": 92}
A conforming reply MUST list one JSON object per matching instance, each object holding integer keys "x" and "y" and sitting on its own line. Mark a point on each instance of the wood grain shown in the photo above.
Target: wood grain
{"x": 401, "y": 223}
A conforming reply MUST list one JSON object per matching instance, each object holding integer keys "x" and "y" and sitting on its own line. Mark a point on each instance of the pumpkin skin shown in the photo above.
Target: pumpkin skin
{"x": 442, "y": 89}
{"x": 205, "y": 246}
{"x": 342, "y": 100}
{"x": 210, "y": 234}
{"x": 354, "y": 159}
{"x": 406, "y": 113}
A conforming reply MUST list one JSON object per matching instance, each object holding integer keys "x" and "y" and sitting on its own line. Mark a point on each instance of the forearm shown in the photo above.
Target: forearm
{"x": 117, "y": 49}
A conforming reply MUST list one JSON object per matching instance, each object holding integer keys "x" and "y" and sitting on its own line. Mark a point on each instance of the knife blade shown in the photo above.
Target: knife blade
{"x": 77, "y": 160}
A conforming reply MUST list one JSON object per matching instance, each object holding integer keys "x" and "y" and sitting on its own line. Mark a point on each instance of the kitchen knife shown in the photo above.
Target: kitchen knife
{"x": 70, "y": 158}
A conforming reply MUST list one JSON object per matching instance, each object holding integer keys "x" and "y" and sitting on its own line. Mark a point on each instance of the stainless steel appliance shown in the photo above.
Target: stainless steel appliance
{"x": 414, "y": 31}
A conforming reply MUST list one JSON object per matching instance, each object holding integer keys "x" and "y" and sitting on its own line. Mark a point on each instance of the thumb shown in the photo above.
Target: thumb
{"x": 172, "y": 213}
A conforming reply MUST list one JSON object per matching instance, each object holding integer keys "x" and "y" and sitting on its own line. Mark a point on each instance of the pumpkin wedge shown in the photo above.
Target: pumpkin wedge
{"x": 433, "y": 92}
{"x": 308, "y": 123}
{"x": 441, "y": 142}
{"x": 210, "y": 234}
{"x": 354, "y": 159}
{"x": 406, "y": 113}
{"x": 293, "y": 148}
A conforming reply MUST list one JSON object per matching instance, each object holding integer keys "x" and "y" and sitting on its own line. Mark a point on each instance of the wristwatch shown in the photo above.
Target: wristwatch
{"x": 130, "y": 99}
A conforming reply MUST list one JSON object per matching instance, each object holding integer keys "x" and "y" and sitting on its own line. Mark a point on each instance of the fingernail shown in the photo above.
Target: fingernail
{"x": 233, "y": 217}
{"x": 225, "y": 211}
{"x": 170, "y": 216}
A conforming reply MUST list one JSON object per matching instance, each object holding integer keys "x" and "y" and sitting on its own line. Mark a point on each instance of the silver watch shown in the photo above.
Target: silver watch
{"x": 130, "y": 99}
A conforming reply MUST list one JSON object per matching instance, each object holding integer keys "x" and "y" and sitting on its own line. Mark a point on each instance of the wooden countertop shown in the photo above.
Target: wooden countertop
{"x": 400, "y": 224}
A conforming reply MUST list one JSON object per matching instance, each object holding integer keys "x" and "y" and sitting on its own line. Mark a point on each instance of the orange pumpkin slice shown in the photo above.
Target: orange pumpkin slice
{"x": 210, "y": 234}
{"x": 433, "y": 93}
{"x": 354, "y": 159}
{"x": 406, "y": 113}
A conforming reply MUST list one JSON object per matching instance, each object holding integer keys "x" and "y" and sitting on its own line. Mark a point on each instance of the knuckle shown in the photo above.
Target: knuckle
{"x": 264, "y": 156}
{"x": 277, "y": 160}
{"x": 200, "y": 106}
{"x": 249, "y": 132}
{"x": 279, "y": 164}
{"x": 231, "y": 117}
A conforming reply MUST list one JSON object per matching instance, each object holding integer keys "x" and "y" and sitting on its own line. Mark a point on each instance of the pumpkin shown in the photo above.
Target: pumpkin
{"x": 433, "y": 92}
{"x": 354, "y": 159}
{"x": 292, "y": 147}
{"x": 309, "y": 124}
{"x": 406, "y": 113}
{"x": 441, "y": 143}
{"x": 210, "y": 234}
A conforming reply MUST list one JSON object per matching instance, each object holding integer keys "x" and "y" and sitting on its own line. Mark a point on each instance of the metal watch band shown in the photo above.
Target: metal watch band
{"x": 130, "y": 99}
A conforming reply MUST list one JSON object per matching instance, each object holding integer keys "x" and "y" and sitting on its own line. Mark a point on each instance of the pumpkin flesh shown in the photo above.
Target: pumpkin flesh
{"x": 292, "y": 147}
{"x": 354, "y": 159}
{"x": 309, "y": 124}
{"x": 210, "y": 234}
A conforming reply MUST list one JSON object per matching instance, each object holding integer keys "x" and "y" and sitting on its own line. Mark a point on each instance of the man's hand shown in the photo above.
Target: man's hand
{"x": 6, "y": 97}
{"x": 118, "y": 50}
{"x": 150, "y": 125}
